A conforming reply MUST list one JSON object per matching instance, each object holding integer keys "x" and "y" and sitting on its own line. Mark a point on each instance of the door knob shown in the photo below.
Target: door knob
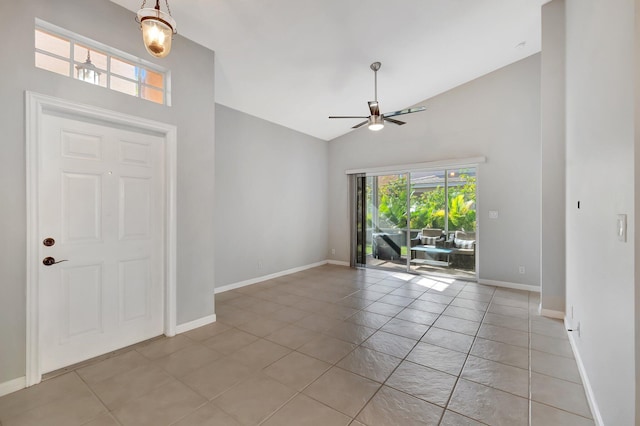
{"x": 48, "y": 261}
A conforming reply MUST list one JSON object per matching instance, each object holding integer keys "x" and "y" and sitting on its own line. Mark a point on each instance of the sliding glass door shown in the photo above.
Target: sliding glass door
{"x": 421, "y": 221}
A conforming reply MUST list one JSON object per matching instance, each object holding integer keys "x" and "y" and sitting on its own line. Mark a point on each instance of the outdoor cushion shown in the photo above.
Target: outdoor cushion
{"x": 429, "y": 241}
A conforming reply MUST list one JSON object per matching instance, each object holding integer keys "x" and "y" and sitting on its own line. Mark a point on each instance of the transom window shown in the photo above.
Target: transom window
{"x": 60, "y": 51}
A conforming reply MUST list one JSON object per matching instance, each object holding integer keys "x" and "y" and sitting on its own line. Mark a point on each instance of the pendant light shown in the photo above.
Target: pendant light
{"x": 87, "y": 71}
{"x": 157, "y": 28}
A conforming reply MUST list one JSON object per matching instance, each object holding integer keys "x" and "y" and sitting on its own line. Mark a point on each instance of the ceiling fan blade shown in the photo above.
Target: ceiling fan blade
{"x": 404, "y": 111}
{"x": 398, "y": 122}
{"x": 374, "y": 107}
{"x": 360, "y": 124}
{"x": 348, "y": 116}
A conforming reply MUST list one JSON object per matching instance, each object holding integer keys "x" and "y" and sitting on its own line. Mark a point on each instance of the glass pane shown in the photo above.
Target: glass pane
{"x": 124, "y": 69}
{"x": 50, "y": 63}
{"x": 461, "y": 190}
{"x": 151, "y": 78}
{"x": 428, "y": 227}
{"x": 387, "y": 221}
{"x": 151, "y": 94}
{"x": 52, "y": 44}
{"x": 124, "y": 86}
{"x": 98, "y": 59}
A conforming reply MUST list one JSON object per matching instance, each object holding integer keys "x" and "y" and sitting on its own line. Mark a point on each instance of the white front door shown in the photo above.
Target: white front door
{"x": 101, "y": 198}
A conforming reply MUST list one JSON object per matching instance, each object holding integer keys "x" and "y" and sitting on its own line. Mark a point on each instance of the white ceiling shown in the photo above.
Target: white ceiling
{"x": 295, "y": 62}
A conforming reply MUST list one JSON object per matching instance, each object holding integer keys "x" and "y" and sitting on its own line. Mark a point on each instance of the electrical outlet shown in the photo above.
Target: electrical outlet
{"x": 333, "y": 251}
{"x": 521, "y": 269}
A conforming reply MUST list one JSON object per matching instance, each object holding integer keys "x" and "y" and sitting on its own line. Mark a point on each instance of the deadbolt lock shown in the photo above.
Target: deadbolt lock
{"x": 48, "y": 242}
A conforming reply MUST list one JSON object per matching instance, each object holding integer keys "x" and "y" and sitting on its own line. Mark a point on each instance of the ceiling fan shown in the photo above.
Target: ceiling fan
{"x": 376, "y": 120}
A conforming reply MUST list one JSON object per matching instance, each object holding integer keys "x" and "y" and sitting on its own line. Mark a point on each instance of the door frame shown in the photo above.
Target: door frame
{"x": 36, "y": 106}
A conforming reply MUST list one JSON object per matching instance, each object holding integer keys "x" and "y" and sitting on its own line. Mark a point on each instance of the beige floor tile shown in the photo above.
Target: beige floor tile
{"x": 207, "y": 331}
{"x": 186, "y": 360}
{"x": 217, "y": 377}
{"x": 226, "y": 296}
{"x": 342, "y": 390}
{"x": 504, "y": 335}
{"x": 369, "y": 319}
{"x": 397, "y": 300}
{"x": 262, "y": 326}
{"x": 515, "y": 356}
{"x": 254, "y": 399}
{"x": 405, "y": 328}
{"x": 464, "y": 313}
{"x": 544, "y": 415}
{"x": 304, "y": 411}
{"x": 234, "y": 316}
{"x": 489, "y": 405}
{"x": 208, "y": 415}
{"x": 522, "y": 313}
{"x": 555, "y": 366}
{"x": 470, "y": 304}
{"x": 427, "y": 306}
{"x": 354, "y": 302}
{"x": 472, "y": 295}
{"x": 165, "y": 346}
{"x": 559, "y": 393}
{"x": 370, "y": 364}
{"x": 551, "y": 328}
{"x": 436, "y": 298}
{"x": 110, "y": 367}
{"x": 411, "y": 378}
{"x": 292, "y": 336}
{"x": 368, "y": 294}
{"x": 515, "y": 303}
{"x": 289, "y": 314}
{"x": 350, "y": 332}
{"x": 117, "y": 390}
{"x": 265, "y": 307}
{"x": 317, "y": 322}
{"x": 437, "y": 357}
{"x": 162, "y": 406}
{"x": 63, "y": 412}
{"x": 390, "y": 344}
{"x": 412, "y": 291}
{"x": 296, "y": 370}
{"x": 384, "y": 308}
{"x": 513, "y": 323}
{"x": 327, "y": 348}
{"x": 62, "y": 387}
{"x": 230, "y": 341}
{"x": 448, "y": 339}
{"x": 339, "y": 312}
{"x": 458, "y": 325}
{"x": 104, "y": 419}
{"x": 260, "y": 354}
{"x": 391, "y": 407}
{"x": 500, "y": 376}
{"x": 451, "y": 418}
{"x": 417, "y": 316}
{"x": 551, "y": 345}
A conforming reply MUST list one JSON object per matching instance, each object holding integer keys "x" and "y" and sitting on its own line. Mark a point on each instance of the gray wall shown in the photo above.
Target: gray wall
{"x": 192, "y": 112}
{"x": 271, "y": 198}
{"x": 552, "y": 149}
{"x": 497, "y": 116}
{"x": 601, "y": 131}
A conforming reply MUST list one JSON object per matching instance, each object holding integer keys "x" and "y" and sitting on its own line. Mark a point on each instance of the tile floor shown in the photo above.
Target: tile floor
{"x": 332, "y": 346}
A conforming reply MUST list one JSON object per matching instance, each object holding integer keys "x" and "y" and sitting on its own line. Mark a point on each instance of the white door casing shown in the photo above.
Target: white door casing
{"x": 101, "y": 184}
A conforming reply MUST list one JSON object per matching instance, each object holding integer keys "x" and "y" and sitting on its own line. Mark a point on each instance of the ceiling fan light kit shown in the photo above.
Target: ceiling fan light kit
{"x": 375, "y": 121}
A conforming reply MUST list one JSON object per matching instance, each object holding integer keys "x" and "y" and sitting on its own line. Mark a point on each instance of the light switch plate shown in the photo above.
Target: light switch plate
{"x": 621, "y": 223}
{"x": 493, "y": 214}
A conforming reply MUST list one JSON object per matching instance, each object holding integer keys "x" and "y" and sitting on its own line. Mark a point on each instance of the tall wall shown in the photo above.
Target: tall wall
{"x": 552, "y": 150}
{"x": 271, "y": 198}
{"x": 601, "y": 79}
{"x": 192, "y": 111}
{"x": 497, "y": 116}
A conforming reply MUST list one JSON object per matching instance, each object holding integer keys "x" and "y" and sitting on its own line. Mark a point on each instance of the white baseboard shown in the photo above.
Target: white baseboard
{"x": 591, "y": 398}
{"x": 13, "y": 385}
{"x": 338, "y": 262}
{"x": 256, "y": 280}
{"x": 505, "y": 284}
{"x": 550, "y": 313}
{"x": 183, "y": 328}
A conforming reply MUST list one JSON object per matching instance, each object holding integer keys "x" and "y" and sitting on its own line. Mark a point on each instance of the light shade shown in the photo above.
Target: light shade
{"x": 376, "y": 122}
{"x": 158, "y": 29}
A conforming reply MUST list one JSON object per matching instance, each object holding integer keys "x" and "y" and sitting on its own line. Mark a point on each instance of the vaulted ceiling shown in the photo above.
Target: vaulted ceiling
{"x": 295, "y": 62}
